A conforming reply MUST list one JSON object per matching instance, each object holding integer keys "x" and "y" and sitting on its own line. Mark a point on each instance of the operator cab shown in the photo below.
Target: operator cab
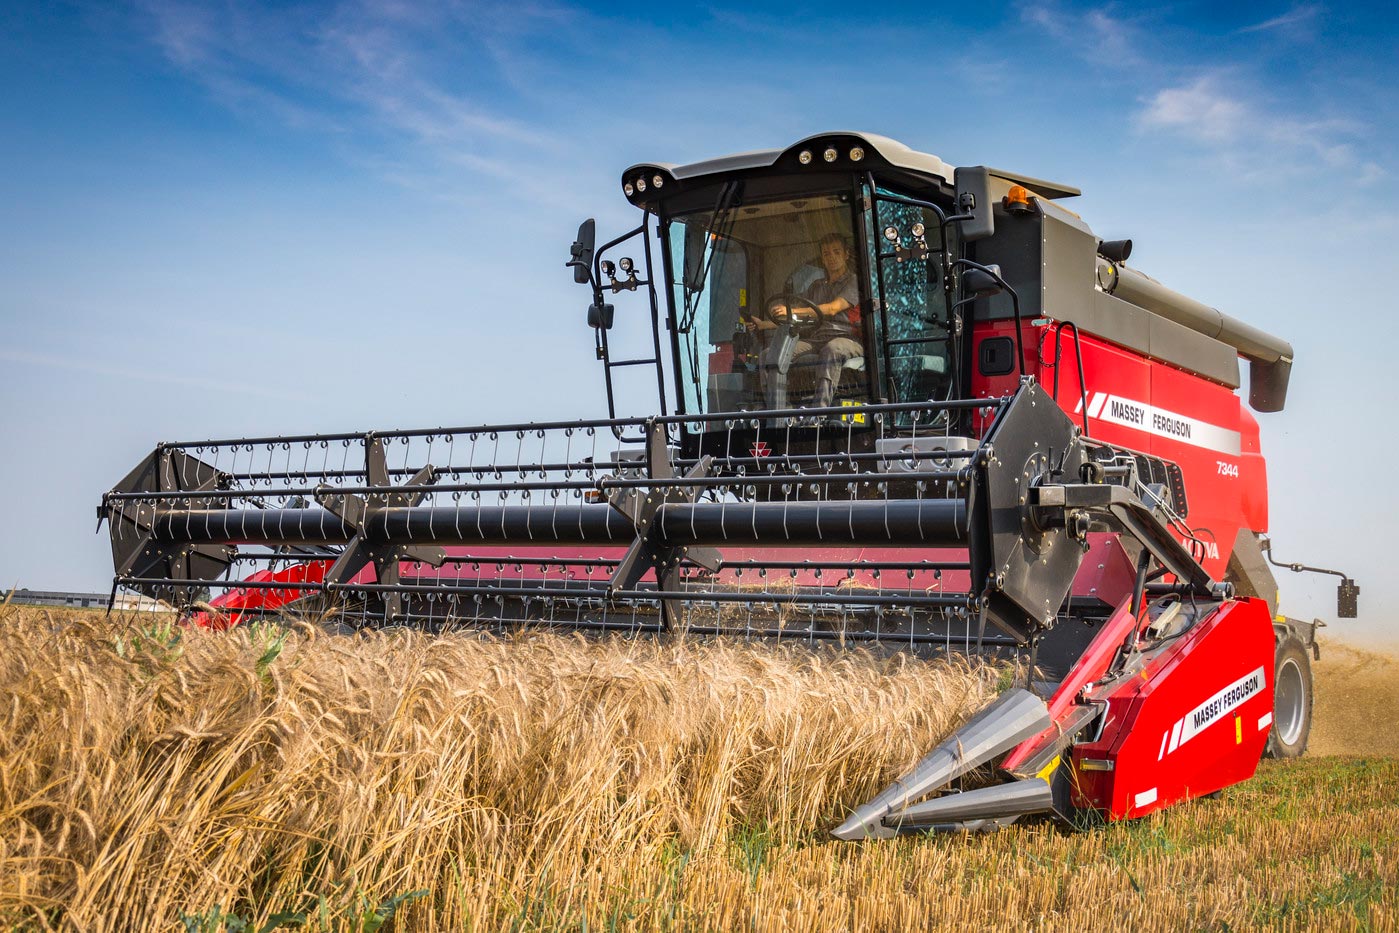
{"x": 818, "y": 277}
{"x": 799, "y": 278}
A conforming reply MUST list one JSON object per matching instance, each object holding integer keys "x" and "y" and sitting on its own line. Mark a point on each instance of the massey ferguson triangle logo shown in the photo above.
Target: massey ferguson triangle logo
{"x": 759, "y": 449}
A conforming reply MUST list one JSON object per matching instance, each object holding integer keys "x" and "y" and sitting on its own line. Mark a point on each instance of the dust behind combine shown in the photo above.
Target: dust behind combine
{"x": 1357, "y": 701}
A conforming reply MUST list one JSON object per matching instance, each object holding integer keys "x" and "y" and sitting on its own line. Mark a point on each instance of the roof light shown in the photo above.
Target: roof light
{"x": 657, "y": 181}
{"x": 804, "y": 157}
{"x": 857, "y": 154}
{"x": 629, "y": 189}
{"x": 641, "y": 183}
{"x": 830, "y": 155}
{"x": 625, "y": 264}
{"x": 1017, "y": 199}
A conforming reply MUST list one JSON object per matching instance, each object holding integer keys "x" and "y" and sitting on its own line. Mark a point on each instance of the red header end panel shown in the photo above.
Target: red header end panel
{"x": 239, "y": 604}
{"x": 1153, "y": 408}
{"x": 1194, "y": 721}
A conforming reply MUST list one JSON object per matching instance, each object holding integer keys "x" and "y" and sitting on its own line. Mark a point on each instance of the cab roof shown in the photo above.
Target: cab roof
{"x": 866, "y": 151}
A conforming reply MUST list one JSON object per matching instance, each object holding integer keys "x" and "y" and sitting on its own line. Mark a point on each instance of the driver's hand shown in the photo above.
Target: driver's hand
{"x": 779, "y": 311}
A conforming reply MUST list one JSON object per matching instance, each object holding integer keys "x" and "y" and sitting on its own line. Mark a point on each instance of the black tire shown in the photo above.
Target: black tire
{"x": 1292, "y": 700}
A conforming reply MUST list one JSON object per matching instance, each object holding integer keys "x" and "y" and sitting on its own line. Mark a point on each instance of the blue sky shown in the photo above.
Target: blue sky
{"x": 219, "y": 218}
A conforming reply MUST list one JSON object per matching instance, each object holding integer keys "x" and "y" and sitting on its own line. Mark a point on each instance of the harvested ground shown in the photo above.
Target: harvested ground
{"x": 156, "y": 778}
{"x": 1357, "y": 702}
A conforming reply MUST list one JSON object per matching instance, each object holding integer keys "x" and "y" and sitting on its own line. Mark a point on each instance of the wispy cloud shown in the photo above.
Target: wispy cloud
{"x": 1247, "y": 136}
{"x": 397, "y": 81}
{"x": 1297, "y": 18}
{"x": 1102, "y": 36}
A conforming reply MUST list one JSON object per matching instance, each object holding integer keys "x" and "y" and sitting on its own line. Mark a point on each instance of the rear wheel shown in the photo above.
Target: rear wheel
{"x": 1292, "y": 700}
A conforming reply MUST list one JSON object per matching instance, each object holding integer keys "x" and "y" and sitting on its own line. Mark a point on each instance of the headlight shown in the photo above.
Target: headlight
{"x": 804, "y": 157}
{"x": 624, "y": 264}
{"x": 629, "y": 189}
{"x": 657, "y": 181}
{"x": 917, "y": 230}
{"x": 857, "y": 154}
{"x": 830, "y": 154}
{"x": 641, "y": 184}
{"x": 891, "y": 234}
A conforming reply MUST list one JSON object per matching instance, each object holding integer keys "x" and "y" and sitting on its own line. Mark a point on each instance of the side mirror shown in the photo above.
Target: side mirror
{"x": 974, "y": 202}
{"x": 1347, "y": 599}
{"x": 979, "y": 284}
{"x": 600, "y": 315}
{"x": 581, "y": 252}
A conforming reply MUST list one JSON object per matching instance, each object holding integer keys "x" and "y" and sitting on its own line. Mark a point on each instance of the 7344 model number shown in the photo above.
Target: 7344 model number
{"x": 1227, "y": 469}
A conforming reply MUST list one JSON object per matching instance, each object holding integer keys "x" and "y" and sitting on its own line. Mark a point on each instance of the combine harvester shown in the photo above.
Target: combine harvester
{"x": 899, "y": 405}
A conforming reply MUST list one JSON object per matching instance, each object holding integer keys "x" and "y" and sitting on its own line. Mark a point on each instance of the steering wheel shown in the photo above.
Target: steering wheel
{"x": 800, "y": 323}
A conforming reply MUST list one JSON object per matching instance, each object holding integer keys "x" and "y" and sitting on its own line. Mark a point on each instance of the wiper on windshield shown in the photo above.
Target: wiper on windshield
{"x": 720, "y": 222}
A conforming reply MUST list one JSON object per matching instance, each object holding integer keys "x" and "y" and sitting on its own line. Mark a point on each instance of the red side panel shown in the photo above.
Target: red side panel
{"x": 1253, "y": 474}
{"x": 1154, "y": 408}
{"x": 1193, "y": 722}
{"x": 234, "y": 602}
{"x": 1195, "y": 423}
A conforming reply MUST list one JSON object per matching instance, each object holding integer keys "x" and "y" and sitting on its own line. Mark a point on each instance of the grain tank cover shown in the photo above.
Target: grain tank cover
{"x": 1052, "y": 258}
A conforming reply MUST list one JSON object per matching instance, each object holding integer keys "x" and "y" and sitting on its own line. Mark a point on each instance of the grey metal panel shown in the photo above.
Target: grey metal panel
{"x": 1067, "y": 217}
{"x": 1249, "y": 572}
{"x": 1126, "y": 325}
{"x": 1115, "y": 320}
{"x": 1188, "y": 349}
{"x": 1015, "y": 247}
{"x": 1068, "y": 261}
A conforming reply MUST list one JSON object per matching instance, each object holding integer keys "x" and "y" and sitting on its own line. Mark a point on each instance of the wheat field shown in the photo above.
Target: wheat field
{"x": 159, "y": 778}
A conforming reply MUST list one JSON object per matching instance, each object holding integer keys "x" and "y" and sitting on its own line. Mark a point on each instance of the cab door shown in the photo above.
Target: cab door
{"x": 914, "y": 335}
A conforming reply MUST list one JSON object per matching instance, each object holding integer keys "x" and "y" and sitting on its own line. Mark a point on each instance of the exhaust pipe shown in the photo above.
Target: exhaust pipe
{"x": 1015, "y": 716}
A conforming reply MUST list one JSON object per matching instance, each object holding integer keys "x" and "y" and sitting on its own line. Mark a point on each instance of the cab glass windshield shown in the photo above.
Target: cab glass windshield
{"x": 772, "y": 303}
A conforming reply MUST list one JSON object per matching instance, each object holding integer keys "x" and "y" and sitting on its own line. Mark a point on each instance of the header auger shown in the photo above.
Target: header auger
{"x": 914, "y": 407}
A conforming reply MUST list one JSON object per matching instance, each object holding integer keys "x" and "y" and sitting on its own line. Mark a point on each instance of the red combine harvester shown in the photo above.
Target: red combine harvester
{"x": 899, "y": 405}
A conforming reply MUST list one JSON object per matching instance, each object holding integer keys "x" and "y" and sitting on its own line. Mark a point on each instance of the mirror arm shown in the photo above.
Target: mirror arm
{"x": 1014, "y": 303}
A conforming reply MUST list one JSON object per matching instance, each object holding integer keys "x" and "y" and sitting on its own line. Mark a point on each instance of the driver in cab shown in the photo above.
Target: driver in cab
{"x": 826, "y": 317}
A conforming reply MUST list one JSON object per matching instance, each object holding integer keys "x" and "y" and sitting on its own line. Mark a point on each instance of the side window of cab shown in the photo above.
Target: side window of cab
{"x": 913, "y": 328}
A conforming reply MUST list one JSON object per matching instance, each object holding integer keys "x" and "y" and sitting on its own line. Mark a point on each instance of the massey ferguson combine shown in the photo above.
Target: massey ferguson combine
{"x": 899, "y": 405}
